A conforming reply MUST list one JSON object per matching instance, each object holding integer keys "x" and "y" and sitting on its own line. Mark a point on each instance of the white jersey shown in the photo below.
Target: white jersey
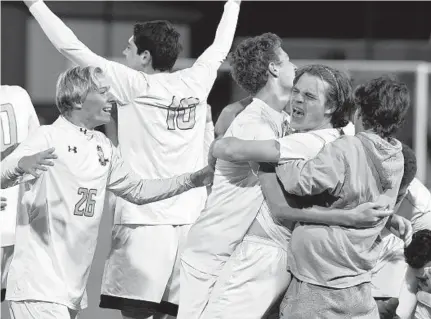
{"x": 18, "y": 119}
{"x": 60, "y": 211}
{"x": 161, "y": 116}
{"x": 236, "y": 196}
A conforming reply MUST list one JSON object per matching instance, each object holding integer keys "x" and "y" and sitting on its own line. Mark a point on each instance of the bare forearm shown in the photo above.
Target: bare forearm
{"x": 315, "y": 215}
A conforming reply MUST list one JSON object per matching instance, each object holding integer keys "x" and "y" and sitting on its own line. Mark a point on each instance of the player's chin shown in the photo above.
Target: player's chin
{"x": 104, "y": 118}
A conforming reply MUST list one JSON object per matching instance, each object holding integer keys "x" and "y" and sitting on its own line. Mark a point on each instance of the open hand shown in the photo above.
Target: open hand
{"x": 39, "y": 161}
{"x": 367, "y": 215}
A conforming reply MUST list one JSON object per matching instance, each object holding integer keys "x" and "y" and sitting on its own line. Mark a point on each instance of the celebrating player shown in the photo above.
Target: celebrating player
{"x": 161, "y": 124}
{"x": 18, "y": 120}
{"x": 61, "y": 209}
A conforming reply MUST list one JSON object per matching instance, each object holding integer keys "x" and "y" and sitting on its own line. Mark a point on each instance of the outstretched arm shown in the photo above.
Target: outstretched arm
{"x": 204, "y": 70}
{"x": 125, "y": 82}
{"x": 123, "y": 182}
{"x": 325, "y": 172}
{"x": 28, "y": 161}
{"x": 294, "y": 146}
{"x": 361, "y": 216}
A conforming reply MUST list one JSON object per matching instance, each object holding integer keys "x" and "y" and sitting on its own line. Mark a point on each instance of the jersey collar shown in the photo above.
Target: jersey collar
{"x": 67, "y": 124}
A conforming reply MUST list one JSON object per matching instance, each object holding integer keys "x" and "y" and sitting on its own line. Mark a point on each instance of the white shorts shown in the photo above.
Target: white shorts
{"x": 6, "y": 258}
{"x": 251, "y": 281}
{"x": 40, "y": 310}
{"x": 143, "y": 268}
{"x": 195, "y": 289}
{"x": 388, "y": 273}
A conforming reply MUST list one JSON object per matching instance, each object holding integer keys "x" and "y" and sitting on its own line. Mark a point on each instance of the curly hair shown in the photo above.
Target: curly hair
{"x": 339, "y": 94}
{"x": 418, "y": 253}
{"x": 251, "y": 59}
{"x": 383, "y": 102}
{"x": 161, "y": 39}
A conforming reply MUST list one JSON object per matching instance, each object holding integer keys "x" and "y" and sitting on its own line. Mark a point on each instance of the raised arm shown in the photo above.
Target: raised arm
{"x": 209, "y": 133}
{"x": 407, "y": 298}
{"x": 325, "y": 172}
{"x": 125, "y": 82}
{"x": 204, "y": 70}
{"x": 123, "y": 182}
{"x": 419, "y": 198}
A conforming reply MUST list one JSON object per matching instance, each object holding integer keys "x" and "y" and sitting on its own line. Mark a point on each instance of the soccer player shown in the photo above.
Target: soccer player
{"x": 236, "y": 196}
{"x": 331, "y": 266}
{"x": 18, "y": 120}
{"x": 60, "y": 211}
{"x": 321, "y": 103}
{"x": 169, "y": 110}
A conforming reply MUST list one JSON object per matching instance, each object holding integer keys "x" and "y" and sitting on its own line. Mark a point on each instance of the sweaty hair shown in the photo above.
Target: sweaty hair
{"x": 339, "y": 95}
{"x": 161, "y": 39}
{"x": 250, "y": 61}
{"x": 73, "y": 86}
{"x": 383, "y": 103}
{"x": 418, "y": 253}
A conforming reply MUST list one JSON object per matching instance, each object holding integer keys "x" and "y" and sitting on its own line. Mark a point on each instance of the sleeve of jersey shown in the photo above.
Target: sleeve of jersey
{"x": 325, "y": 172}
{"x": 420, "y": 199}
{"x": 204, "y": 70}
{"x": 208, "y": 139}
{"x": 123, "y": 182}
{"x": 10, "y": 173}
{"x": 125, "y": 82}
{"x": 299, "y": 146}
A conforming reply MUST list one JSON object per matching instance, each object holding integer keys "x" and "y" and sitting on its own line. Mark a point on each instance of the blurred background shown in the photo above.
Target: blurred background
{"x": 365, "y": 39}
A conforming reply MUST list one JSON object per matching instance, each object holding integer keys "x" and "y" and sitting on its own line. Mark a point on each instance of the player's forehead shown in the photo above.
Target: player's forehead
{"x": 311, "y": 83}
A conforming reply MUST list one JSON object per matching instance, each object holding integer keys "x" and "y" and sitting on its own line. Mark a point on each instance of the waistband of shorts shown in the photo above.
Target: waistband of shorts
{"x": 261, "y": 240}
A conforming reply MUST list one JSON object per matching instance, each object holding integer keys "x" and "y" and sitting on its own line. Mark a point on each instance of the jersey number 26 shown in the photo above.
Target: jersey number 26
{"x": 85, "y": 206}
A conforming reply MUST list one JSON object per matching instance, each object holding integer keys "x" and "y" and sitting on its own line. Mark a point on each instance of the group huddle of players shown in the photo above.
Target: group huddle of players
{"x": 300, "y": 203}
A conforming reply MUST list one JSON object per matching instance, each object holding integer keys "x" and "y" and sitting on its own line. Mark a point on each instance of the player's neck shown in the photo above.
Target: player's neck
{"x": 81, "y": 122}
{"x": 276, "y": 101}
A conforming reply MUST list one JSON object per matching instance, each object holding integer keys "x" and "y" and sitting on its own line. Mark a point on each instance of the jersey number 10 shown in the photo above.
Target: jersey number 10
{"x": 182, "y": 115}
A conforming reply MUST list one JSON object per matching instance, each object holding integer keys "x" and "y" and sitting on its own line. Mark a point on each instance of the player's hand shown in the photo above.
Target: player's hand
{"x": 39, "y": 161}
{"x": 367, "y": 215}
{"x": 400, "y": 227}
{"x": 3, "y": 203}
{"x": 209, "y": 114}
{"x": 29, "y": 3}
{"x": 203, "y": 177}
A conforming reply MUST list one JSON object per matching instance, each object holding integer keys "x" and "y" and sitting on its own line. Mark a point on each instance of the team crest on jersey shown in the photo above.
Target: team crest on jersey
{"x": 102, "y": 159}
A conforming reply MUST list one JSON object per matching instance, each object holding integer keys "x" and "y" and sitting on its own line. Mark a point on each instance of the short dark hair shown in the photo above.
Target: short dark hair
{"x": 250, "y": 61}
{"x": 383, "y": 102}
{"x": 340, "y": 92}
{"x": 418, "y": 253}
{"x": 161, "y": 39}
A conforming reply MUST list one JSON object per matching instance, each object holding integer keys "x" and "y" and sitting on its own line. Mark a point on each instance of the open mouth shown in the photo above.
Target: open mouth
{"x": 107, "y": 109}
{"x": 297, "y": 112}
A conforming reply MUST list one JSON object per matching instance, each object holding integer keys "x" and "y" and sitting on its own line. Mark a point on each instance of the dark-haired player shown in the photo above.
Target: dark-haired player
{"x": 161, "y": 124}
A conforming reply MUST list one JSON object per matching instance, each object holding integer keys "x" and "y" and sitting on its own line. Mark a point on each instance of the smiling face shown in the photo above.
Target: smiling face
{"x": 98, "y": 105}
{"x": 308, "y": 103}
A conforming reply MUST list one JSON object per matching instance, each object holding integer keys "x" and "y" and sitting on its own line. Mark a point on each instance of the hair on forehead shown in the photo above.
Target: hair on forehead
{"x": 74, "y": 84}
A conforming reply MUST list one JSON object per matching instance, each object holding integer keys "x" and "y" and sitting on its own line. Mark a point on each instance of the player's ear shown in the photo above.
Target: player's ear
{"x": 146, "y": 58}
{"x": 273, "y": 69}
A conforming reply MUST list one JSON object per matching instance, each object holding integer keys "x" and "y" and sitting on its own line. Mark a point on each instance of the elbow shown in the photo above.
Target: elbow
{"x": 224, "y": 150}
